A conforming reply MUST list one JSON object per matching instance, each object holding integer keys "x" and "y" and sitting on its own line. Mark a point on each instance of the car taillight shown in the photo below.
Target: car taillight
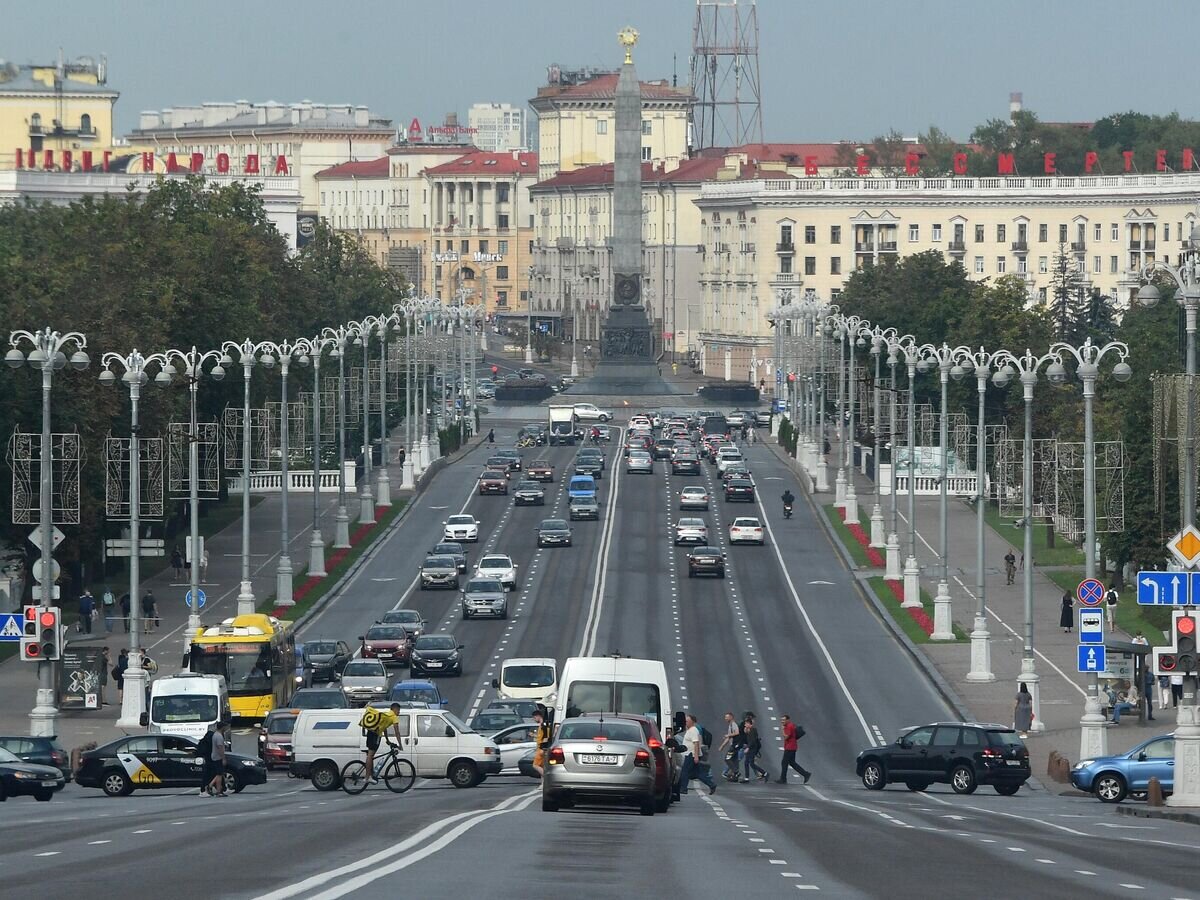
{"x": 642, "y": 758}
{"x": 600, "y": 737}
{"x": 557, "y": 757}
{"x": 992, "y": 754}
{"x": 654, "y": 743}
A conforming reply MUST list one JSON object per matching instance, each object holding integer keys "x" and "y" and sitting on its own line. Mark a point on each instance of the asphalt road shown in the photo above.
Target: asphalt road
{"x": 786, "y": 631}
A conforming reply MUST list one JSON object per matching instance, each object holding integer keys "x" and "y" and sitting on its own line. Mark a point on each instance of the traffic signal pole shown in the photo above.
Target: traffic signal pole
{"x": 43, "y": 718}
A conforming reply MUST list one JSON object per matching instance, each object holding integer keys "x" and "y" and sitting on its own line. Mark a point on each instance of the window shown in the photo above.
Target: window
{"x": 979, "y": 238}
{"x": 483, "y": 246}
{"x": 970, "y": 737}
{"x": 1022, "y": 232}
{"x": 1166, "y": 232}
{"x": 646, "y": 126}
{"x": 1041, "y": 295}
{"x": 1062, "y": 234}
{"x": 502, "y": 193}
{"x": 945, "y": 736}
{"x": 1043, "y": 265}
{"x": 959, "y": 232}
{"x": 502, "y": 297}
{"x": 1112, "y": 264}
{"x": 1043, "y": 233}
{"x": 914, "y": 233}
{"x": 502, "y": 220}
{"x": 810, "y": 234}
{"x": 1001, "y": 231}
{"x": 465, "y": 247}
{"x": 35, "y": 121}
{"x": 979, "y": 265}
{"x": 501, "y": 247}
{"x": 835, "y": 234}
{"x": 810, "y": 265}
{"x": 835, "y": 265}
{"x": 1022, "y": 265}
{"x": 937, "y": 232}
{"x": 1000, "y": 263}
{"x": 602, "y": 126}
{"x": 921, "y": 737}
{"x": 646, "y": 157}
{"x": 785, "y": 234}
{"x": 785, "y": 265}
{"x": 437, "y": 246}
{"x": 1097, "y": 264}
{"x": 502, "y": 273}
{"x": 1114, "y": 233}
{"x": 1097, "y": 232}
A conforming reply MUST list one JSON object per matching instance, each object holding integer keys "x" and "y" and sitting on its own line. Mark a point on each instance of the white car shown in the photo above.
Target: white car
{"x": 514, "y": 742}
{"x": 693, "y": 497}
{"x": 727, "y": 456}
{"x": 461, "y": 528}
{"x": 589, "y": 412}
{"x": 640, "y": 422}
{"x": 499, "y": 567}
{"x": 746, "y": 530}
{"x": 735, "y": 419}
{"x": 691, "y": 531}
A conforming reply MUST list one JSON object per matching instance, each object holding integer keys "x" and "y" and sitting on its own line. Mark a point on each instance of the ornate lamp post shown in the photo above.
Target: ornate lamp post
{"x": 879, "y": 339}
{"x": 366, "y": 509}
{"x": 894, "y": 345}
{"x": 340, "y": 338}
{"x": 316, "y": 545}
{"x": 912, "y": 571}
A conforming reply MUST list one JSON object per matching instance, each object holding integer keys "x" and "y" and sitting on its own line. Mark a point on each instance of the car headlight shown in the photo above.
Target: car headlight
{"x": 1084, "y": 763}
{"x": 251, "y": 763}
{"x": 299, "y": 679}
{"x": 26, "y": 776}
{"x": 378, "y": 687}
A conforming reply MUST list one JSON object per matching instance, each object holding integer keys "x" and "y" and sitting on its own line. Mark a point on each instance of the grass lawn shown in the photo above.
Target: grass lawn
{"x": 1151, "y": 621}
{"x": 914, "y": 631}
{"x": 1064, "y": 553}
{"x": 857, "y": 551}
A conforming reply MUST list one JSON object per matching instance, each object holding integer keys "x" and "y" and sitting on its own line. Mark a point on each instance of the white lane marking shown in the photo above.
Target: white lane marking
{"x": 1048, "y": 862}
{"x": 1017, "y": 849}
{"x": 94, "y": 843}
{"x": 591, "y": 627}
{"x": 1133, "y": 887}
{"x": 1084, "y": 872}
{"x": 49, "y": 853}
{"x": 143, "y": 831}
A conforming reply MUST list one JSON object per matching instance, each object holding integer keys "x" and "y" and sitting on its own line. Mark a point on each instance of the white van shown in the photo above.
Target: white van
{"x": 528, "y": 678}
{"x": 436, "y": 742}
{"x": 187, "y": 703}
{"x": 613, "y": 684}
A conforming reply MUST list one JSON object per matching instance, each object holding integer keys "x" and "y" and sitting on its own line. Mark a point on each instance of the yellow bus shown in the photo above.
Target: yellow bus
{"x": 256, "y": 654}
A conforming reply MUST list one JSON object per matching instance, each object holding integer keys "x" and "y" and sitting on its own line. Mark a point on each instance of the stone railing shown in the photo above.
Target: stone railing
{"x": 300, "y": 480}
{"x": 926, "y": 484}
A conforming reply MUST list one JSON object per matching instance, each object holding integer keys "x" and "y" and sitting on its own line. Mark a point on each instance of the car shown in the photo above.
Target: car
{"x": 747, "y": 530}
{"x": 417, "y": 692}
{"x": 691, "y": 531}
{"x": 693, "y": 497}
{"x": 514, "y": 740}
{"x": 1113, "y": 778}
{"x": 540, "y": 470}
{"x": 484, "y": 597}
{"x": 489, "y": 721}
{"x": 39, "y": 751}
{"x": 275, "y": 737}
{"x": 526, "y": 373}
{"x": 581, "y": 486}
{"x": 706, "y": 560}
{"x": 589, "y": 465}
{"x": 666, "y": 774}
{"x": 736, "y": 470}
{"x": 583, "y": 508}
{"x": 727, "y": 455}
{"x": 19, "y": 778}
{"x": 762, "y": 418}
{"x": 589, "y": 412}
{"x": 739, "y": 489}
{"x": 500, "y": 567}
{"x": 497, "y": 464}
{"x": 437, "y": 654}
{"x": 493, "y": 482}
{"x": 462, "y": 527}
{"x": 664, "y": 448}
{"x": 453, "y": 549}
{"x": 554, "y": 532}
{"x": 529, "y": 493}
{"x": 151, "y": 761}
{"x": 321, "y": 660}
{"x": 525, "y": 764}
{"x": 593, "y": 452}
{"x": 413, "y": 622}
{"x": 639, "y": 461}
{"x": 513, "y": 458}
{"x": 523, "y": 708}
{"x": 365, "y": 681}
{"x": 685, "y": 463}
{"x": 319, "y": 698}
{"x": 439, "y": 572}
{"x": 533, "y": 431}
{"x": 600, "y": 760}
{"x": 390, "y": 644}
{"x": 604, "y": 433}
{"x": 640, "y": 422}
{"x": 963, "y": 755}
{"x": 735, "y": 419}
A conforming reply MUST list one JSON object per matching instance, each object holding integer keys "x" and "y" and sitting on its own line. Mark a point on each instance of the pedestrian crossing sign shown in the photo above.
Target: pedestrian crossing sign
{"x": 10, "y": 627}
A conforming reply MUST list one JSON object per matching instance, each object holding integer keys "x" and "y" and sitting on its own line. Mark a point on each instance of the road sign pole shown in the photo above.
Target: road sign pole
{"x": 43, "y": 718}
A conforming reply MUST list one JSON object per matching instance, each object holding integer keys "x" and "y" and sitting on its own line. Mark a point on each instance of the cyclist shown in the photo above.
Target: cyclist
{"x": 375, "y": 723}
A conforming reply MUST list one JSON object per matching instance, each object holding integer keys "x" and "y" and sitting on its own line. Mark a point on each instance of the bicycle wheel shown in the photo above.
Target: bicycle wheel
{"x": 354, "y": 777}
{"x": 399, "y": 775}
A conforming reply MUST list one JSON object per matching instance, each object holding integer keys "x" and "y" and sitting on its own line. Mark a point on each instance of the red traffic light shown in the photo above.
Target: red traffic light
{"x": 1167, "y": 662}
{"x": 32, "y": 651}
{"x": 48, "y": 618}
{"x": 791, "y": 376}
{"x": 1185, "y": 625}
{"x": 31, "y": 613}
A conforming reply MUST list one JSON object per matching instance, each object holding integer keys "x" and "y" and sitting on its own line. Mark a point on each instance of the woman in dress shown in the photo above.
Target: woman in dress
{"x": 1066, "y": 616}
{"x": 1023, "y": 711}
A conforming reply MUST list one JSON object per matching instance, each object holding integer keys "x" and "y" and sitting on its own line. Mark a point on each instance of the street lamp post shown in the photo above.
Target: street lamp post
{"x": 404, "y": 312}
{"x": 383, "y": 495}
{"x": 837, "y": 330}
{"x": 912, "y": 571}
{"x": 880, "y": 338}
{"x": 821, "y": 331}
{"x": 893, "y": 344}
{"x": 47, "y": 356}
{"x": 316, "y": 546}
{"x": 366, "y": 509}
{"x": 339, "y": 339}
{"x": 529, "y": 322}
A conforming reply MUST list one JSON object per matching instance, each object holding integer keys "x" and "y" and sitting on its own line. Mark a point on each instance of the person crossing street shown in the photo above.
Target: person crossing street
{"x": 791, "y": 743}
{"x": 694, "y": 767}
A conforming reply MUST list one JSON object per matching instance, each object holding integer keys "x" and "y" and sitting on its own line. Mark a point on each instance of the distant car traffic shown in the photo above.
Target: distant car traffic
{"x": 529, "y": 493}
{"x": 599, "y": 760}
{"x": 739, "y": 489}
{"x": 417, "y": 692}
{"x": 961, "y": 754}
{"x": 639, "y": 461}
{"x": 439, "y": 572}
{"x": 452, "y": 549}
{"x": 691, "y": 531}
{"x": 513, "y": 457}
{"x": 390, "y": 644}
{"x": 693, "y": 497}
{"x": 319, "y": 698}
{"x": 491, "y": 721}
{"x": 589, "y": 412}
{"x": 493, "y": 481}
{"x": 583, "y": 508}
{"x": 540, "y": 470}
{"x": 321, "y": 660}
{"x": 155, "y": 761}
{"x": 463, "y": 527}
{"x": 747, "y": 530}
{"x": 275, "y": 737}
{"x": 498, "y": 463}
{"x": 364, "y": 681}
{"x": 19, "y": 778}
{"x": 484, "y": 597}
{"x": 413, "y": 621}
{"x": 500, "y": 567}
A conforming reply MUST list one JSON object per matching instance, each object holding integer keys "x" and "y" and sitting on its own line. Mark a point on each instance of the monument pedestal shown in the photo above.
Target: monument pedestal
{"x": 626, "y": 364}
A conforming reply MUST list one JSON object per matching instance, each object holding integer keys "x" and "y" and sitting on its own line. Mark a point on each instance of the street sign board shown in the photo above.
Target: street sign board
{"x": 116, "y": 544}
{"x": 55, "y": 592}
{"x": 126, "y": 551}
{"x": 10, "y": 627}
{"x": 1090, "y": 592}
{"x": 1091, "y": 626}
{"x": 56, "y": 538}
{"x": 1185, "y": 547}
{"x": 778, "y": 376}
{"x": 1118, "y": 666}
{"x": 39, "y": 570}
{"x": 1091, "y": 658}
{"x": 200, "y": 598}
{"x": 79, "y": 677}
{"x": 1166, "y": 588}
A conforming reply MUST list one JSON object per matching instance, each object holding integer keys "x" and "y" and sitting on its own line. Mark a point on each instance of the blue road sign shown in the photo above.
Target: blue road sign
{"x": 10, "y": 627}
{"x": 778, "y": 376}
{"x": 1090, "y": 592}
{"x": 1166, "y": 588}
{"x": 1091, "y": 658}
{"x": 1091, "y": 626}
{"x": 200, "y": 597}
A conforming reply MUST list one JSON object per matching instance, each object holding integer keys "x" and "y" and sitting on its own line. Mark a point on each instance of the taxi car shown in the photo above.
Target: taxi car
{"x": 152, "y": 761}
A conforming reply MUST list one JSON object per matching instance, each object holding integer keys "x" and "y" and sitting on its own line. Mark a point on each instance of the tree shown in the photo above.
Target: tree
{"x": 1066, "y": 297}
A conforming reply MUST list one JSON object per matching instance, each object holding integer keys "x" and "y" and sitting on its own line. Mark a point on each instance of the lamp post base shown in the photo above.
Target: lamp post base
{"x": 912, "y": 584}
{"x": 981, "y": 654}
{"x": 384, "y": 488}
{"x": 316, "y": 555}
{"x": 892, "y": 573}
{"x": 822, "y": 485}
{"x": 133, "y": 695}
{"x": 1187, "y": 756}
{"x": 574, "y": 366}
{"x": 245, "y": 599}
{"x": 877, "y": 539}
{"x": 407, "y": 481}
{"x": 1030, "y": 677}
{"x": 943, "y": 626}
{"x": 775, "y": 420}
{"x": 851, "y": 504}
{"x": 366, "y": 507}
{"x": 43, "y": 718}
{"x": 283, "y": 582}
{"x": 1093, "y": 735}
{"x": 528, "y": 354}
{"x": 425, "y": 460}
{"x": 839, "y": 489}
{"x": 341, "y": 529}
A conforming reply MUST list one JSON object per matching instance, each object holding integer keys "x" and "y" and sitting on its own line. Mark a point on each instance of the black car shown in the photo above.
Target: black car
{"x": 19, "y": 778}
{"x": 318, "y": 698}
{"x": 583, "y": 508}
{"x": 451, "y": 548}
{"x": 41, "y": 751}
{"x": 413, "y": 621}
{"x": 529, "y": 493}
{"x": 436, "y": 654}
{"x": 664, "y": 448}
{"x": 963, "y": 755}
{"x": 706, "y": 561}
{"x": 554, "y": 531}
{"x": 322, "y": 660}
{"x": 685, "y": 464}
{"x": 739, "y": 489}
{"x": 150, "y": 761}
{"x": 589, "y": 465}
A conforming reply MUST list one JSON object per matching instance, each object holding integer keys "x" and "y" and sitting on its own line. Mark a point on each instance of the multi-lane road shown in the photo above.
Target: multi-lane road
{"x": 786, "y": 631}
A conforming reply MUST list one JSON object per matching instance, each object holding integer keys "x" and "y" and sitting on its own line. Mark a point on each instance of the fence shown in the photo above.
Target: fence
{"x": 298, "y": 480}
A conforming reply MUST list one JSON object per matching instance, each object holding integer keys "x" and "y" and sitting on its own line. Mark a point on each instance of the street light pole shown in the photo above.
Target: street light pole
{"x": 47, "y": 355}
{"x": 366, "y": 509}
{"x": 339, "y": 339}
{"x": 892, "y": 573}
{"x": 529, "y": 322}
{"x": 912, "y": 571}
{"x": 316, "y": 546}
{"x": 839, "y": 331}
{"x": 879, "y": 340}
{"x": 247, "y": 352}
{"x": 384, "y": 491}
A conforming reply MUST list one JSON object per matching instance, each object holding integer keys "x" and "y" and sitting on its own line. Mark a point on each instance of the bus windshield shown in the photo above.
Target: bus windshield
{"x": 246, "y": 667}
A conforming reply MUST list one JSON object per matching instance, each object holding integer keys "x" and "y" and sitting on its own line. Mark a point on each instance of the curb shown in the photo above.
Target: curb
{"x": 1155, "y": 812}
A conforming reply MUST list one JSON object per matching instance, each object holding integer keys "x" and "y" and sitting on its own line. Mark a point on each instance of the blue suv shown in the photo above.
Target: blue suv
{"x": 418, "y": 693}
{"x": 1113, "y": 778}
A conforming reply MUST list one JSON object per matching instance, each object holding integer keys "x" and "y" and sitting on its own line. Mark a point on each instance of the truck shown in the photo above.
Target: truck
{"x": 562, "y": 425}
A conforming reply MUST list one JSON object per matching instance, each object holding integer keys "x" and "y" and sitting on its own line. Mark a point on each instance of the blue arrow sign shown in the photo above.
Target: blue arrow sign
{"x": 10, "y": 626}
{"x": 1165, "y": 588}
{"x": 200, "y": 596}
{"x": 778, "y": 376}
{"x": 1091, "y": 658}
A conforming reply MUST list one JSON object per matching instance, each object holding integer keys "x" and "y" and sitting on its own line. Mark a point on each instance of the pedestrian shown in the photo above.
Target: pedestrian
{"x": 1140, "y": 638}
{"x": 1148, "y": 691}
{"x": 791, "y": 743}
{"x": 694, "y": 767}
{"x": 1010, "y": 566}
{"x": 118, "y": 673}
{"x": 149, "y": 612}
{"x": 752, "y": 751}
{"x": 177, "y": 562}
{"x": 1021, "y": 564}
{"x": 204, "y": 566}
{"x": 491, "y": 436}
{"x": 1164, "y": 691}
{"x": 105, "y": 662}
{"x": 1023, "y": 711}
{"x": 87, "y": 608}
{"x": 110, "y": 608}
{"x": 731, "y": 740}
{"x": 216, "y": 762}
{"x": 401, "y": 455}
{"x": 126, "y": 609}
{"x": 1176, "y": 690}
{"x": 1111, "y": 598}
{"x": 1066, "y": 615}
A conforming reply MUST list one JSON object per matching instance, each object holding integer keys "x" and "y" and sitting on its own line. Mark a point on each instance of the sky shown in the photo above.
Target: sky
{"x": 849, "y": 69}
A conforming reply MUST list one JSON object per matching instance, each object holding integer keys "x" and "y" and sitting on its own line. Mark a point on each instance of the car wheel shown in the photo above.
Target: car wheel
{"x": 603, "y": 419}
{"x": 647, "y": 807}
{"x": 233, "y": 781}
{"x": 3, "y": 792}
{"x": 721, "y": 574}
{"x": 1110, "y": 788}
{"x": 873, "y": 776}
{"x": 465, "y": 615}
{"x": 424, "y": 586}
{"x": 662, "y": 803}
{"x": 917, "y": 786}
{"x": 462, "y": 773}
{"x": 548, "y": 804}
{"x": 1007, "y": 790}
{"x": 44, "y": 796}
{"x": 691, "y": 574}
{"x": 325, "y": 776}
{"x": 116, "y": 783}
{"x": 962, "y": 779}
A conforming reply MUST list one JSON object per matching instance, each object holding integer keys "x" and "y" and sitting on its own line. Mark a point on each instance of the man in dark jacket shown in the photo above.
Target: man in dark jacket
{"x": 753, "y": 749}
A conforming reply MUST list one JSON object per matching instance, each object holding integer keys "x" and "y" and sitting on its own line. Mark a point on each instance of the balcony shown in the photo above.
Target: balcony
{"x": 1148, "y": 246}
{"x": 1020, "y": 246}
{"x": 722, "y": 248}
{"x": 786, "y": 278}
{"x": 864, "y": 246}
{"x": 1078, "y": 246}
{"x": 747, "y": 248}
{"x": 958, "y": 248}
{"x": 887, "y": 246}
{"x": 785, "y": 247}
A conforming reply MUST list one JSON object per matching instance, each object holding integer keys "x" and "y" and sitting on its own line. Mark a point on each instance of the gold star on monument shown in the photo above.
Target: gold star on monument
{"x": 628, "y": 37}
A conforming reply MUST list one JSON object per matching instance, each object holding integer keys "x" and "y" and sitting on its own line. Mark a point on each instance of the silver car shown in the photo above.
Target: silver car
{"x": 484, "y": 597}
{"x": 691, "y": 531}
{"x": 364, "y": 681}
{"x": 599, "y": 760}
{"x": 693, "y": 497}
{"x": 439, "y": 571}
{"x": 639, "y": 461}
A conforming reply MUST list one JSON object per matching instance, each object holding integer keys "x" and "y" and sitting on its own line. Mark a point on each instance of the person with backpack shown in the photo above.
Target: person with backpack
{"x": 695, "y": 748}
{"x": 109, "y": 603}
{"x": 791, "y": 743}
{"x": 753, "y": 751}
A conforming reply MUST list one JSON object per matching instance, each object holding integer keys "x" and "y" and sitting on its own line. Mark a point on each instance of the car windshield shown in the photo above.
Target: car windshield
{"x": 439, "y": 562}
{"x": 461, "y": 520}
{"x": 484, "y": 586}
{"x": 581, "y": 501}
{"x": 184, "y": 708}
{"x": 600, "y": 731}
{"x": 435, "y": 642}
{"x": 539, "y": 464}
{"x": 633, "y": 698}
{"x": 694, "y": 492}
{"x": 639, "y": 454}
{"x": 6, "y": 757}
{"x": 508, "y": 454}
{"x": 706, "y": 551}
{"x": 322, "y": 699}
{"x": 528, "y": 486}
{"x": 691, "y": 523}
{"x": 385, "y": 633}
{"x": 554, "y": 525}
{"x": 495, "y": 720}
{"x": 528, "y": 676}
{"x": 458, "y": 723}
{"x": 495, "y": 562}
{"x": 363, "y": 668}
{"x": 497, "y": 461}
{"x": 281, "y": 725}
{"x": 320, "y": 648}
{"x": 403, "y": 616}
{"x": 403, "y": 694}
{"x": 590, "y": 451}
{"x": 447, "y": 549}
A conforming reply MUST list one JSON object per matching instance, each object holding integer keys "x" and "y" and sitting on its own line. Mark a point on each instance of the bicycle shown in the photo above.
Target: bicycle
{"x": 398, "y": 773}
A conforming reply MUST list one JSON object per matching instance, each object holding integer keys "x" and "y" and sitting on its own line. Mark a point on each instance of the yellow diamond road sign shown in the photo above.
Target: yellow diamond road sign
{"x": 1185, "y": 547}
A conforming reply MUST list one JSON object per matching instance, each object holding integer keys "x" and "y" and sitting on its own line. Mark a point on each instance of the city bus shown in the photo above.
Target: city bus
{"x": 256, "y": 654}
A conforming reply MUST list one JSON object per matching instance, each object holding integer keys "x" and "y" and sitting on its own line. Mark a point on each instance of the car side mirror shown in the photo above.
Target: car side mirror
{"x": 901, "y": 742}
{"x": 1142, "y": 756}
{"x": 445, "y": 703}
{"x": 496, "y": 683}
{"x": 449, "y": 731}
{"x": 462, "y": 646}
{"x": 444, "y": 522}
{"x": 361, "y": 638}
{"x": 144, "y": 721}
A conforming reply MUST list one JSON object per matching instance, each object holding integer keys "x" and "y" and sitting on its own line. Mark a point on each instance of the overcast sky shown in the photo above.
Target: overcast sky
{"x": 830, "y": 70}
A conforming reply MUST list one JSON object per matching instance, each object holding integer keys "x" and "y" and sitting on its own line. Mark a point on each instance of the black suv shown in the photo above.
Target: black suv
{"x": 706, "y": 561}
{"x": 963, "y": 755}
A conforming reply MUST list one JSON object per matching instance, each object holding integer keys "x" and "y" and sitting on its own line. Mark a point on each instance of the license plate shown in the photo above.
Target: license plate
{"x": 49, "y": 784}
{"x": 598, "y": 759}
{"x": 1013, "y": 762}
{"x": 434, "y": 665}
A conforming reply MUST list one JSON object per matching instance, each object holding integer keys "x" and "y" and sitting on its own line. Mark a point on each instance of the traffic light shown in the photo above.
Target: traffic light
{"x": 1185, "y": 642}
{"x": 31, "y": 646}
{"x": 495, "y": 371}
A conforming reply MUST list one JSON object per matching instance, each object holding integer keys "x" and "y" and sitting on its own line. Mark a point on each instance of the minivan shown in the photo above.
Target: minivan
{"x": 438, "y": 743}
{"x": 613, "y": 684}
{"x": 532, "y": 678}
{"x": 582, "y": 486}
{"x": 186, "y": 704}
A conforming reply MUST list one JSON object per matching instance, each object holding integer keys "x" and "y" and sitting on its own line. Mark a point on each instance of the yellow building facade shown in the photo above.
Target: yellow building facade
{"x": 63, "y": 106}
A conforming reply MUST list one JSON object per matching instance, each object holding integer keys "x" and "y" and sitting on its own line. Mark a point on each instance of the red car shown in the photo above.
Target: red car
{"x": 539, "y": 470}
{"x": 665, "y": 775}
{"x": 275, "y": 737}
{"x": 390, "y": 644}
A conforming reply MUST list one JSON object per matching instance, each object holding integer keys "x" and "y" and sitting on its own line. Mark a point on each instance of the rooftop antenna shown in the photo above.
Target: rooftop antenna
{"x": 724, "y": 74}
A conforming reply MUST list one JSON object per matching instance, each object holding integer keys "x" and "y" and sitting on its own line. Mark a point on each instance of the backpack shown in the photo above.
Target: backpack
{"x": 370, "y": 719}
{"x": 107, "y": 599}
{"x": 204, "y": 746}
{"x": 706, "y": 740}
